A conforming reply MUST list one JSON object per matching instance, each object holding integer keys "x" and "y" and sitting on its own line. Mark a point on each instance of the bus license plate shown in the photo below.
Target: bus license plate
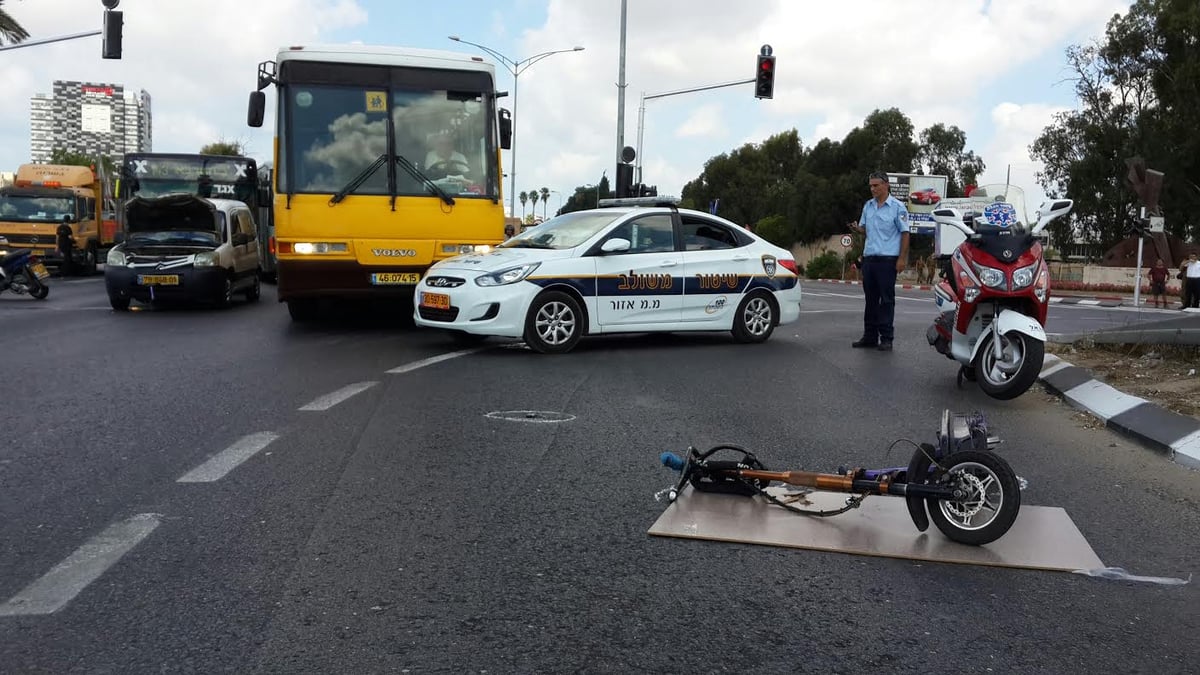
{"x": 39, "y": 270}
{"x": 435, "y": 300}
{"x": 395, "y": 278}
{"x": 158, "y": 279}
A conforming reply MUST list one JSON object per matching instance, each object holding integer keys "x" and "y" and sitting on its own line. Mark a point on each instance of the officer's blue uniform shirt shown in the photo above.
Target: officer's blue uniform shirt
{"x": 884, "y": 225}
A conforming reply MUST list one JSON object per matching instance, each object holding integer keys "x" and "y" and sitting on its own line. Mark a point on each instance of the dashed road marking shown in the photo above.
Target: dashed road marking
{"x": 60, "y": 585}
{"x": 329, "y": 400}
{"x": 228, "y": 459}
{"x": 409, "y": 367}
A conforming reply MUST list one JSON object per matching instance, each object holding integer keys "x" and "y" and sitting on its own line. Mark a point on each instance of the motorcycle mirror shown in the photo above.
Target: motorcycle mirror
{"x": 1059, "y": 207}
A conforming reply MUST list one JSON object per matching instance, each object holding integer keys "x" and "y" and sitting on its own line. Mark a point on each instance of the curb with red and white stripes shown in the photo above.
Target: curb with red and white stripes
{"x": 1097, "y": 301}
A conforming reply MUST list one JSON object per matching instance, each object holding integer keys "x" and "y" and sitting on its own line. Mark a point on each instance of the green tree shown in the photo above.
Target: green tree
{"x": 545, "y": 198}
{"x": 943, "y": 152}
{"x": 64, "y": 156}
{"x": 586, "y": 197}
{"x": 534, "y": 196}
{"x": 223, "y": 147}
{"x": 11, "y": 32}
{"x": 524, "y": 199}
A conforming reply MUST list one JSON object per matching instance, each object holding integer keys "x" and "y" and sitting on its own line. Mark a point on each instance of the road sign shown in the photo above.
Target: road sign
{"x": 846, "y": 240}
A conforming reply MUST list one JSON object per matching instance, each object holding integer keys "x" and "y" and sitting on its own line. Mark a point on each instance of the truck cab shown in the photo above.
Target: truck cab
{"x": 57, "y": 212}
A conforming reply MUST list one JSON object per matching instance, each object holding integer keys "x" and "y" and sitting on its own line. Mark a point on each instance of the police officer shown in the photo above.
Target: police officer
{"x": 884, "y": 221}
{"x": 65, "y": 244}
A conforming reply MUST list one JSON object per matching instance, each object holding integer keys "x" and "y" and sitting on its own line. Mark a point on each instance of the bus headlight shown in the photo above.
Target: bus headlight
{"x": 313, "y": 248}
{"x": 509, "y": 276}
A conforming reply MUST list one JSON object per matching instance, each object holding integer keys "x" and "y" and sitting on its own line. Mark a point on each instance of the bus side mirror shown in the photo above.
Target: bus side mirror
{"x": 506, "y": 129}
{"x": 257, "y": 110}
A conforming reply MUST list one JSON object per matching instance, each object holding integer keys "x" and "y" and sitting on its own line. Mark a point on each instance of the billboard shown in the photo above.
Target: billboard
{"x": 921, "y": 194}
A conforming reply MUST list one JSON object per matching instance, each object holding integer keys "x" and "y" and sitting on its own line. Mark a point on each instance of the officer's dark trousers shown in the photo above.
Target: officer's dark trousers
{"x": 879, "y": 285}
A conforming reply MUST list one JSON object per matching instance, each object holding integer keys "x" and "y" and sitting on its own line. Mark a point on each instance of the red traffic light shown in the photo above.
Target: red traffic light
{"x": 767, "y": 65}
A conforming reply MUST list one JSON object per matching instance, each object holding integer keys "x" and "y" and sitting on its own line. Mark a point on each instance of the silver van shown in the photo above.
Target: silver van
{"x": 184, "y": 247}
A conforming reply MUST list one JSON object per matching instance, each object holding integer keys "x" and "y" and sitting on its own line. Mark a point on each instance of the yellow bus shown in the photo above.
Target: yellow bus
{"x": 386, "y": 160}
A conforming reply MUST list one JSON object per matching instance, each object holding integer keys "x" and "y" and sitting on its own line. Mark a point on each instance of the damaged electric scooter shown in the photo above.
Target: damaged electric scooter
{"x": 969, "y": 492}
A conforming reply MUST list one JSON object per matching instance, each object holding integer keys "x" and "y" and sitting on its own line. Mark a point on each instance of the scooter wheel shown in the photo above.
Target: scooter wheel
{"x": 1015, "y": 371}
{"x": 990, "y": 504}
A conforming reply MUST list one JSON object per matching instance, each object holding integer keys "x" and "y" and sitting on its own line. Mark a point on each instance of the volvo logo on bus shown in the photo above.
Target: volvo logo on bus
{"x": 394, "y": 252}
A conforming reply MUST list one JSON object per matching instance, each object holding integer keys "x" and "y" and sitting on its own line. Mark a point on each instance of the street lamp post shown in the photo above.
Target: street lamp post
{"x": 515, "y": 68}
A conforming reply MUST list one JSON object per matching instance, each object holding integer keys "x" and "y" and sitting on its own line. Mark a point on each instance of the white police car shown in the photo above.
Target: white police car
{"x": 632, "y": 265}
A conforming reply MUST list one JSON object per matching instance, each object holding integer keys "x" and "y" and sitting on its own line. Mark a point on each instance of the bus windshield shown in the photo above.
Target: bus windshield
{"x": 337, "y": 132}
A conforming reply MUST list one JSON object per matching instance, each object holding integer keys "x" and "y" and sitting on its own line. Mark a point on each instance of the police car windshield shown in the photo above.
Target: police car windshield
{"x": 566, "y": 231}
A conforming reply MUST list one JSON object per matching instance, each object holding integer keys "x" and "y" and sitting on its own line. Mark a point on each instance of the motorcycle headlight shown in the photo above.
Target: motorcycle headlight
{"x": 1024, "y": 276}
{"x": 990, "y": 276}
{"x": 205, "y": 259}
{"x": 509, "y": 276}
{"x": 115, "y": 258}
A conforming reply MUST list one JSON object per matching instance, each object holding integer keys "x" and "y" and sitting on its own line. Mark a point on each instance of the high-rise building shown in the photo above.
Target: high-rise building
{"x": 89, "y": 118}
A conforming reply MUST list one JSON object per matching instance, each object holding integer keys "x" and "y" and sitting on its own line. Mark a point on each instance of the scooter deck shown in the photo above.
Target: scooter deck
{"x": 1042, "y": 538}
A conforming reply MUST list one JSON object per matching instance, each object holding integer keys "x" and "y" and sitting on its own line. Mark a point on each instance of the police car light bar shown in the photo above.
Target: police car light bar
{"x": 663, "y": 200}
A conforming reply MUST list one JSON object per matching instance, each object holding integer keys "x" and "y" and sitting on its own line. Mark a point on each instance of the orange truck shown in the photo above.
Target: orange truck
{"x": 45, "y": 197}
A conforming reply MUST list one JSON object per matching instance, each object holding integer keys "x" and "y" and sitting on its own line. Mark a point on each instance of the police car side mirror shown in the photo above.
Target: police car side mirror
{"x": 616, "y": 245}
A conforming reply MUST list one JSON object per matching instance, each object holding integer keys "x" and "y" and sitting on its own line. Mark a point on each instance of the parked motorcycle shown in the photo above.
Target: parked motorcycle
{"x": 995, "y": 289}
{"x": 21, "y": 272}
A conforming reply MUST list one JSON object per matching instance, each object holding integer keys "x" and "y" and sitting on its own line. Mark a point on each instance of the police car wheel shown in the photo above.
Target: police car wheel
{"x": 755, "y": 318}
{"x": 554, "y": 323}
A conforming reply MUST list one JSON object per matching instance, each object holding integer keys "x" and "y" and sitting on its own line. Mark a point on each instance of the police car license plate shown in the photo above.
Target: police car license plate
{"x": 436, "y": 300}
{"x": 158, "y": 279}
{"x": 395, "y": 278}
{"x": 39, "y": 270}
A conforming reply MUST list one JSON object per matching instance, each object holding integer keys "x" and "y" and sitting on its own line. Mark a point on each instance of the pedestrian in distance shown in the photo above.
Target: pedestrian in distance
{"x": 1192, "y": 281}
{"x": 884, "y": 222}
{"x": 1158, "y": 283}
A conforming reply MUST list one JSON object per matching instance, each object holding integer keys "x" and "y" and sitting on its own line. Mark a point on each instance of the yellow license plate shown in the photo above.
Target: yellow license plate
{"x": 39, "y": 270}
{"x": 158, "y": 279}
{"x": 436, "y": 300}
{"x": 395, "y": 278}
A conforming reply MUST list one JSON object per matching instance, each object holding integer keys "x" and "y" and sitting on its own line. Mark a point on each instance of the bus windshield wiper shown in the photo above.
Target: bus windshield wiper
{"x": 416, "y": 173}
{"x": 359, "y": 179}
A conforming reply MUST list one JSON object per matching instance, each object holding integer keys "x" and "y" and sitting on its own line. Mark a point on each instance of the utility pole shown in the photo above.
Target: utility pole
{"x": 621, "y": 89}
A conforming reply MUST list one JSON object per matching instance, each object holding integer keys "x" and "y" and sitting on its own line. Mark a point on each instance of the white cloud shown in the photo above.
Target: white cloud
{"x": 1017, "y": 126}
{"x": 836, "y": 63}
{"x": 197, "y": 62}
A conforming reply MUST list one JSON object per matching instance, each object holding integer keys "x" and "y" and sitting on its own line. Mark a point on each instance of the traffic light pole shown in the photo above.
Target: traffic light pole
{"x": 642, "y": 112}
{"x": 43, "y": 41}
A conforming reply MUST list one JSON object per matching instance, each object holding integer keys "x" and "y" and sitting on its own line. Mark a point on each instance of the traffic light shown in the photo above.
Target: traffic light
{"x": 764, "y": 77}
{"x": 111, "y": 45}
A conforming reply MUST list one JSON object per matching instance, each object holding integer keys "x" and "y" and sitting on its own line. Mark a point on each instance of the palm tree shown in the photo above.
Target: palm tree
{"x": 10, "y": 31}
{"x": 524, "y": 197}
{"x": 545, "y": 198}
{"x": 533, "y": 198}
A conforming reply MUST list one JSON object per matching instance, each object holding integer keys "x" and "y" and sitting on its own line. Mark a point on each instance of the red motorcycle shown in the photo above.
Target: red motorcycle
{"x": 995, "y": 290}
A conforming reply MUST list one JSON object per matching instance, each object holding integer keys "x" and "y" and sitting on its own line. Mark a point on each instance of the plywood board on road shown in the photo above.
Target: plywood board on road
{"x": 1042, "y": 538}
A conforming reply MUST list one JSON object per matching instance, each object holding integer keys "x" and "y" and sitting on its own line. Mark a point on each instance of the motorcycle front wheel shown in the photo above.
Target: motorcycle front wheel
{"x": 992, "y": 498}
{"x": 1017, "y": 368}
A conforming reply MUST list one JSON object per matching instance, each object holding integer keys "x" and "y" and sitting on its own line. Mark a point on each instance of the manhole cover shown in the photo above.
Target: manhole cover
{"x": 530, "y": 416}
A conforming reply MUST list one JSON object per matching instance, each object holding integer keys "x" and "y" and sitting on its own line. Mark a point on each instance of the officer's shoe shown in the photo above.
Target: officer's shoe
{"x": 885, "y": 346}
{"x": 863, "y": 343}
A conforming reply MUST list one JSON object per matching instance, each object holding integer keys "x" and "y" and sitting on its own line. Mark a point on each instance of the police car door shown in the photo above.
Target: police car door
{"x": 718, "y": 265}
{"x": 642, "y": 285}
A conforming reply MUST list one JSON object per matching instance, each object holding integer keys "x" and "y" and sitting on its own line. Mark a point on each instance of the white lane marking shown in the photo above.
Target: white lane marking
{"x": 329, "y": 400}
{"x": 228, "y": 459}
{"x": 60, "y": 585}
{"x": 408, "y": 367}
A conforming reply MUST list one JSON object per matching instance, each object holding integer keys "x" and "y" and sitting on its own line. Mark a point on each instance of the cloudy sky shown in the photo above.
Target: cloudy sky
{"x": 995, "y": 68}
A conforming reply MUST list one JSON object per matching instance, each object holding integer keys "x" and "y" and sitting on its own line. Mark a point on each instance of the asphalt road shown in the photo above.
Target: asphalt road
{"x": 199, "y": 490}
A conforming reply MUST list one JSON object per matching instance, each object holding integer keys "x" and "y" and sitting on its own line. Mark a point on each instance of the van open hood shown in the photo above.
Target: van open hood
{"x": 172, "y": 213}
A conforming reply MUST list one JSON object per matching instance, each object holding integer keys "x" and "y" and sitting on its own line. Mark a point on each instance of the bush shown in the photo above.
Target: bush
{"x": 828, "y": 265}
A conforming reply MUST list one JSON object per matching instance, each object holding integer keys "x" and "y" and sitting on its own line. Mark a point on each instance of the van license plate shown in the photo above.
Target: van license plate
{"x": 158, "y": 279}
{"x": 395, "y": 278}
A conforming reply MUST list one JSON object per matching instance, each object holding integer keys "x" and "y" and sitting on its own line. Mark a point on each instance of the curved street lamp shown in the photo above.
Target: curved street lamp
{"x": 515, "y": 68}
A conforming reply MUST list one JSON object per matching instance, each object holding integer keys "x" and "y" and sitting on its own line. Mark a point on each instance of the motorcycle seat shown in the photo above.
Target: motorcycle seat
{"x": 15, "y": 254}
